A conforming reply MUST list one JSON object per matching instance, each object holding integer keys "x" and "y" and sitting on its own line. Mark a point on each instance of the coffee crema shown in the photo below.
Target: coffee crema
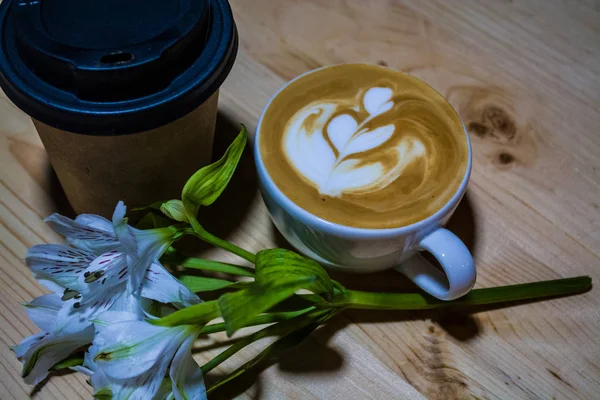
{"x": 364, "y": 146}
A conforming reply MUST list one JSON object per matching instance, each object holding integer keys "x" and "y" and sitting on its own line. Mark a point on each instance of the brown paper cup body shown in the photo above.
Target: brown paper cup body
{"x": 140, "y": 168}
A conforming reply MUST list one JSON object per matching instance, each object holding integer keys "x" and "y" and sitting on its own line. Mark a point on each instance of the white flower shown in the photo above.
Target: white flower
{"x": 105, "y": 268}
{"x": 117, "y": 242}
{"x": 41, "y": 351}
{"x": 130, "y": 358}
{"x": 112, "y": 267}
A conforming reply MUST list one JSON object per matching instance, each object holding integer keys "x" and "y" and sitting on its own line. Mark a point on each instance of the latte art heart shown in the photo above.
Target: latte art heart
{"x": 330, "y": 148}
{"x": 363, "y": 146}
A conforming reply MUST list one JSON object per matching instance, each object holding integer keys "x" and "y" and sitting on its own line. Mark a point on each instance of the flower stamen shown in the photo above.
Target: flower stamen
{"x": 93, "y": 277}
{"x": 69, "y": 294}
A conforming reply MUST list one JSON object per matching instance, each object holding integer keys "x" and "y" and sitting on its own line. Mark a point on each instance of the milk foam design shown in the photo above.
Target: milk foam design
{"x": 331, "y": 149}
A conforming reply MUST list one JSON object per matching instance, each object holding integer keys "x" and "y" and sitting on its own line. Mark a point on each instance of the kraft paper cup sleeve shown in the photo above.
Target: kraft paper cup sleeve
{"x": 98, "y": 171}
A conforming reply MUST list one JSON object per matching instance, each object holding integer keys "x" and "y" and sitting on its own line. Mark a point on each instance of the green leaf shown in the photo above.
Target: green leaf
{"x": 152, "y": 220}
{"x": 240, "y": 307}
{"x": 103, "y": 394}
{"x": 476, "y": 297}
{"x": 279, "y": 274}
{"x": 276, "y": 265}
{"x": 198, "y": 314}
{"x": 210, "y": 265}
{"x": 207, "y": 184}
{"x": 67, "y": 363}
{"x": 174, "y": 209}
{"x": 289, "y": 340}
{"x": 204, "y": 284}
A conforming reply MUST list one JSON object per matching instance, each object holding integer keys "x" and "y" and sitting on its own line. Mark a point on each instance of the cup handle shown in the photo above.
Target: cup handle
{"x": 455, "y": 260}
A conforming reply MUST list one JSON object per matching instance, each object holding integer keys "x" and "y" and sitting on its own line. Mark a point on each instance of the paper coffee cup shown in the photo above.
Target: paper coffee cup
{"x": 123, "y": 94}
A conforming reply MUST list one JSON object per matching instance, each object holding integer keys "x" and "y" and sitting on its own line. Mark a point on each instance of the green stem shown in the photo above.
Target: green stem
{"x": 258, "y": 320}
{"x": 201, "y": 233}
{"x": 209, "y": 265}
{"x": 477, "y": 297}
{"x": 230, "y": 247}
{"x": 280, "y": 329}
{"x": 198, "y": 314}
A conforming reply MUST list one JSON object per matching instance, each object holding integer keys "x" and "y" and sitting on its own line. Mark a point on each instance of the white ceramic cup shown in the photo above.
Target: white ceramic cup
{"x": 368, "y": 250}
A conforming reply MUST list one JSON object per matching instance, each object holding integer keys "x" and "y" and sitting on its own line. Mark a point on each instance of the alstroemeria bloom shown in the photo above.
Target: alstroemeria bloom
{"x": 41, "y": 351}
{"x": 110, "y": 264}
{"x": 112, "y": 267}
{"x": 130, "y": 358}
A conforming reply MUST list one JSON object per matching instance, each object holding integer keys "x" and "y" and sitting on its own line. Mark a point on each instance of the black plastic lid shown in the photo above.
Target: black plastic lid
{"x": 113, "y": 67}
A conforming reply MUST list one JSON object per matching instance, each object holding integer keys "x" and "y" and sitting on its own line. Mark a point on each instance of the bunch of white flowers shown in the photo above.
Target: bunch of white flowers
{"x": 106, "y": 284}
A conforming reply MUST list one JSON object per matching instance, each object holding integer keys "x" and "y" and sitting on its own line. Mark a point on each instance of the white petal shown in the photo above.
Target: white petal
{"x": 49, "y": 350}
{"x": 59, "y": 264}
{"x": 43, "y": 311}
{"x": 26, "y": 344}
{"x": 96, "y": 222}
{"x": 119, "y": 213}
{"x": 126, "y": 238}
{"x": 88, "y": 359}
{"x": 150, "y": 245}
{"x": 72, "y": 318}
{"x": 140, "y": 387}
{"x": 130, "y": 303}
{"x": 113, "y": 317}
{"x": 83, "y": 237}
{"x": 128, "y": 349}
{"x": 375, "y": 98}
{"x": 123, "y": 231}
{"x": 188, "y": 383}
{"x": 147, "y": 386}
{"x": 107, "y": 270}
{"x": 81, "y": 369}
{"x": 161, "y": 286}
{"x": 100, "y": 382}
{"x": 51, "y": 285}
{"x": 147, "y": 381}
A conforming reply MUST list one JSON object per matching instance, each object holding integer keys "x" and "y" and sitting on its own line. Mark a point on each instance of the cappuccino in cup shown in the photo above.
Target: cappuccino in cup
{"x": 360, "y": 167}
{"x": 364, "y": 146}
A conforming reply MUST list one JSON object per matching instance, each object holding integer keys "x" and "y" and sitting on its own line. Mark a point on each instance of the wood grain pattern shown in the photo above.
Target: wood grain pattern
{"x": 524, "y": 76}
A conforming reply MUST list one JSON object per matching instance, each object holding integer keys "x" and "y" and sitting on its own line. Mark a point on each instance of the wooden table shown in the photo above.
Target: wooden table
{"x": 524, "y": 76}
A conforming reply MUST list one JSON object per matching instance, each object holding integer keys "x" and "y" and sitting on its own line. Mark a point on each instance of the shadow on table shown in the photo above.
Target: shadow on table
{"x": 312, "y": 356}
{"x": 37, "y": 388}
